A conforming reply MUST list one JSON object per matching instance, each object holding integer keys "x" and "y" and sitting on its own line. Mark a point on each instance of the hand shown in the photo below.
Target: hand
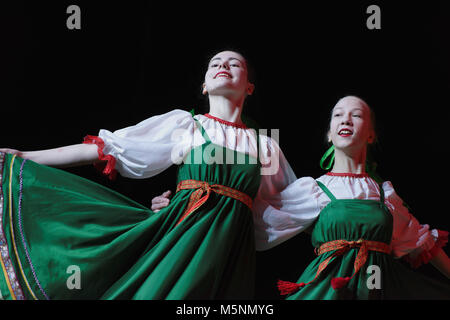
{"x": 161, "y": 201}
{"x": 11, "y": 151}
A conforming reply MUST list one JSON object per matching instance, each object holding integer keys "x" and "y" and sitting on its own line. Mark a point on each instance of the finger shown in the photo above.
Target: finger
{"x": 161, "y": 204}
{"x": 160, "y": 199}
{"x": 167, "y": 194}
{"x": 165, "y": 203}
{"x": 156, "y": 207}
{"x": 157, "y": 199}
{"x": 7, "y": 150}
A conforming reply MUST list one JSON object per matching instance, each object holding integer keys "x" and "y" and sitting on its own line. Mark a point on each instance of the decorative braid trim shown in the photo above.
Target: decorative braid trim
{"x": 5, "y": 260}
{"x": 225, "y": 122}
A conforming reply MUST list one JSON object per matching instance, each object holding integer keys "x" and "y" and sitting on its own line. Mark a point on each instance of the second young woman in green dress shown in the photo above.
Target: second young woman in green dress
{"x": 359, "y": 226}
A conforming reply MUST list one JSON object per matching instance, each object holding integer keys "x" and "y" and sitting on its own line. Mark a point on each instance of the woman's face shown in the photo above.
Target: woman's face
{"x": 351, "y": 125}
{"x": 227, "y": 75}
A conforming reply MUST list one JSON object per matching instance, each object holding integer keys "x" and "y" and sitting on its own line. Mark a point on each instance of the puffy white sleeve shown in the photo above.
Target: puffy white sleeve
{"x": 147, "y": 148}
{"x": 284, "y": 206}
{"x": 415, "y": 242}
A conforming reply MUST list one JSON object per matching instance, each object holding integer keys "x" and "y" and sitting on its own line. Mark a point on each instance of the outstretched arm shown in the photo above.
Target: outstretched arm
{"x": 63, "y": 157}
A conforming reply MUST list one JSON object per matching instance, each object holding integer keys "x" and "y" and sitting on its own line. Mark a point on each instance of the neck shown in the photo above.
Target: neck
{"x": 226, "y": 108}
{"x": 349, "y": 162}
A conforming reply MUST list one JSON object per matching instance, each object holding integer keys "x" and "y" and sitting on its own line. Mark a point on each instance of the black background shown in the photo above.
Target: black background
{"x": 132, "y": 60}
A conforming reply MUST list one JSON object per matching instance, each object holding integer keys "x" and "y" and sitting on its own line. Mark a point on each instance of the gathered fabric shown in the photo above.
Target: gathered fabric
{"x": 196, "y": 199}
{"x": 339, "y": 247}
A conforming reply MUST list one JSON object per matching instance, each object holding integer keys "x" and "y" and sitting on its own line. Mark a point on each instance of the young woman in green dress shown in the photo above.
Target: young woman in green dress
{"x": 359, "y": 226}
{"x": 64, "y": 237}
{"x": 362, "y": 226}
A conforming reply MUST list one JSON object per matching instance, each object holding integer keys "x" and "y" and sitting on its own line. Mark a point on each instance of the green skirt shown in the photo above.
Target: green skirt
{"x": 65, "y": 237}
{"x": 381, "y": 277}
{"x": 396, "y": 280}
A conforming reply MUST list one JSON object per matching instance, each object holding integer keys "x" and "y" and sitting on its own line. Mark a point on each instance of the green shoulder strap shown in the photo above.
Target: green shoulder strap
{"x": 202, "y": 130}
{"x": 326, "y": 190}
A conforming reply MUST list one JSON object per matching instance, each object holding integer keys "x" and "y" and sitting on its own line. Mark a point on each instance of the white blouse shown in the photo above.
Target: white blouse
{"x": 298, "y": 206}
{"x": 153, "y": 145}
{"x": 284, "y": 206}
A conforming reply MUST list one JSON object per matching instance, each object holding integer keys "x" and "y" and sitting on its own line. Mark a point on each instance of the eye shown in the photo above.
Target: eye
{"x": 357, "y": 115}
{"x": 213, "y": 65}
{"x": 336, "y": 115}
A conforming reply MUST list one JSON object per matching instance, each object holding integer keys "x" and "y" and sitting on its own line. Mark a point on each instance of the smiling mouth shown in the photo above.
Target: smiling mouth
{"x": 223, "y": 75}
{"x": 345, "y": 132}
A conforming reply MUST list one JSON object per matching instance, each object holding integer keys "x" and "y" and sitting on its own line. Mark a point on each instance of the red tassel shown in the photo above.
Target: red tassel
{"x": 286, "y": 287}
{"x": 338, "y": 283}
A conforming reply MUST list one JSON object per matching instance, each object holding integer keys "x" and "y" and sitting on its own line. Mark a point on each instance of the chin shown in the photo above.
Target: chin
{"x": 349, "y": 148}
{"x": 224, "y": 90}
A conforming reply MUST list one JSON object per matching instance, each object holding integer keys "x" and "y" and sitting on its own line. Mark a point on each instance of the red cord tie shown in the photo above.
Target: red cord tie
{"x": 197, "y": 198}
{"x": 340, "y": 247}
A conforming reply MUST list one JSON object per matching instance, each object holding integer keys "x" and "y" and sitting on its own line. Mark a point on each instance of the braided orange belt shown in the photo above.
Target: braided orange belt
{"x": 340, "y": 247}
{"x": 197, "y": 199}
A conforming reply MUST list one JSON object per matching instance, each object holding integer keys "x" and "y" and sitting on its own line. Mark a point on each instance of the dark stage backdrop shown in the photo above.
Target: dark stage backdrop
{"x": 131, "y": 60}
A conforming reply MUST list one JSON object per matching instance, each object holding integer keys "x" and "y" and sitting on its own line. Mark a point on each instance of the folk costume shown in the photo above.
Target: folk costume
{"x": 360, "y": 231}
{"x": 65, "y": 237}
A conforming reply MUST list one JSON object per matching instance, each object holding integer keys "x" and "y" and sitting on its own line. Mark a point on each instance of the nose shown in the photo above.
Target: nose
{"x": 224, "y": 65}
{"x": 347, "y": 119}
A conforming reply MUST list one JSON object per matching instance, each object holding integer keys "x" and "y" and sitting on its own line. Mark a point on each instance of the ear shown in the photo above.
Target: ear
{"x": 371, "y": 138}
{"x": 204, "y": 91}
{"x": 250, "y": 88}
{"x": 329, "y": 137}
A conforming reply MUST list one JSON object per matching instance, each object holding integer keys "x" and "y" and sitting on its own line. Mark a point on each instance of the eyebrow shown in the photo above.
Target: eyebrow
{"x": 219, "y": 58}
{"x": 355, "y": 109}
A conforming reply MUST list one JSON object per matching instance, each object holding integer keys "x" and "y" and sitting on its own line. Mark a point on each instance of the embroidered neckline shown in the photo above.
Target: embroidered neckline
{"x": 225, "y": 122}
{"x": 348, "y": 174}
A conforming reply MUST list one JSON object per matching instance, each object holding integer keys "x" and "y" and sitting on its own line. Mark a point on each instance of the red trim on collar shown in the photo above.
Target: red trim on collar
{"x": 225, "y": 122}
{"x": 348, "y": 174}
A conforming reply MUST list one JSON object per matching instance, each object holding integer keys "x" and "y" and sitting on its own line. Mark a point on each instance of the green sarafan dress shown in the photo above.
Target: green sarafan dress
{"x": 65, "y": 237}
{"x": 381, "y": 277}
